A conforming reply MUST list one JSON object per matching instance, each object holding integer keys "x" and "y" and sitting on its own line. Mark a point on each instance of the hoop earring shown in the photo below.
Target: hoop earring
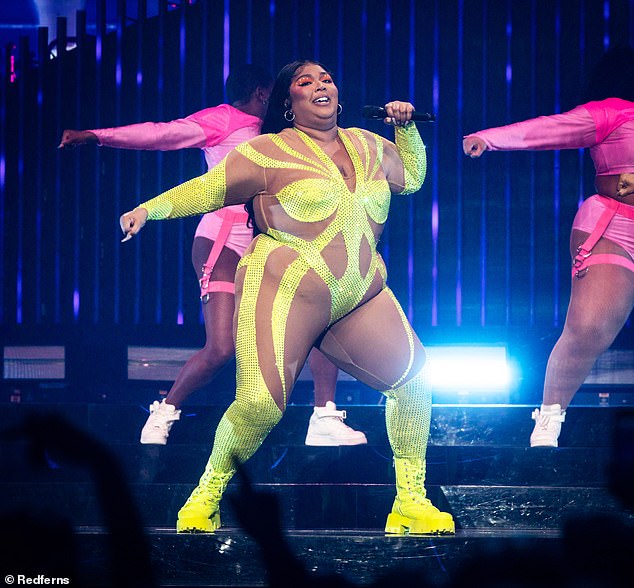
{"x": 339, "y": 109}
{"x": 289, "y": 115}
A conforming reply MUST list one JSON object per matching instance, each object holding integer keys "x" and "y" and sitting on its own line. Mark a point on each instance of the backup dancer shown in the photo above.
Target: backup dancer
{"x": 602, "y": 238}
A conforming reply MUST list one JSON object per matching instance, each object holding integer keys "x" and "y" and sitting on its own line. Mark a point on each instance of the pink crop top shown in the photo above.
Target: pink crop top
{"x": 606, "y": 127}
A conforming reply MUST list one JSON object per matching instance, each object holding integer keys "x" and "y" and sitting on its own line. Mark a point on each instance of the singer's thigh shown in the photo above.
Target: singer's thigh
{"x": 375, "y": 343}
{"x": 276, "y": 325}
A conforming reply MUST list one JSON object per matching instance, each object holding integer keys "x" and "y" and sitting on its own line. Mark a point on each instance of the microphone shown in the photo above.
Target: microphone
{"x": 379, "y": 112}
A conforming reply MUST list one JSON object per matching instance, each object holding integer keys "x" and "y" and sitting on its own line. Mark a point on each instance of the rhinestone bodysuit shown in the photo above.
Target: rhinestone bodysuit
{"x": 314, "y": 276}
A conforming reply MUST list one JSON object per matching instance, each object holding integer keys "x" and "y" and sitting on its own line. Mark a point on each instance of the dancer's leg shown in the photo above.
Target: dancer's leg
{"x": 600, "y": 303}
{"x": 203, "y": 366}
{"x": 218, "y": 311}
{"x": 376, "y": 344}
{"x": 324, "y": 374}
{"x": 326, "y": 425}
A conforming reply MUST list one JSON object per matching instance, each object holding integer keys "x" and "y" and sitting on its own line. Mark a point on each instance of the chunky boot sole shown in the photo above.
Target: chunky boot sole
{"x": 399, "y": 525}
{"x": 193, "y": 523}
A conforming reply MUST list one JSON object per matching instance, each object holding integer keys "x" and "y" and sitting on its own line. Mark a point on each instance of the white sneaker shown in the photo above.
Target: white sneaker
{"x": 158, "y": 424}
{"x": 548, "y": 421}
{"x": 326, "y": 428}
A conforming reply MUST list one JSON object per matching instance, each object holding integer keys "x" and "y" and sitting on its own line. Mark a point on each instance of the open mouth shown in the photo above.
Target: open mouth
{"x": 322, "y": 100}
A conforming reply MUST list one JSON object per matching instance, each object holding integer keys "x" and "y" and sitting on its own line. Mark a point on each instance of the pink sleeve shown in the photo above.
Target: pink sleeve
{"x": 574, "y": 129}
{"x": 164, "y": 136}
{"x": 218, "y": 122}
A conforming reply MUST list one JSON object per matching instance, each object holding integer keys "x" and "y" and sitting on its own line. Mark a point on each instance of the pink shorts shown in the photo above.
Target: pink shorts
{"x": 239, "y": 236}
{"x": 226, "y": 227}
{"x": 620, "y": 230}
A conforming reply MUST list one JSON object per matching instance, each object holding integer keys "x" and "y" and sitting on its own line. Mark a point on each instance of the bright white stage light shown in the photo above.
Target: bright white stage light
{"x": 464, "y": 369}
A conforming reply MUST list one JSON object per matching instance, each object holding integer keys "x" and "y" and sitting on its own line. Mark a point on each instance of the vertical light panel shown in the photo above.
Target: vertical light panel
{"x": 459, "y": 159}
{"x": 532, "y": 179}
{"x": 272, "y": 36}
{"x": 31, "y": 268}
{"x": 205, "y": 94}
{"x": 386, "y": 250}
{"x": 484, "y": 184}
{"x": 3, "y": 171}
{"x": 80, "y": 32}
{"x": 388, "y": 45}
{"x": 114, "y": 228}
{"x": 142, "y": 12}
{"x": 226, "y": 48}
{"x": 249, "y": 23}
{"x": 556, "y": 169}
{"x": 60, "y": 80}
{"x": 411, "y": 208}
{"x": 507, "y": 175}
{"x": 606, "y": 25}
{"x": 158, "y": 293}
{"x": 20, "y": 78}
{"x": 96, "y": 266}
{"x": 364, "y": 49}
{"x": 317, "y": 35}
{"x": 294, "y": 28}
{"x": 182, "y": 45}
{"x": 43, "y": 56}
{"x": 434, "y": 201}
{"x": 582, "y": 60}
{"x": 340, "y": 54}
{"x": 202, "y": 54}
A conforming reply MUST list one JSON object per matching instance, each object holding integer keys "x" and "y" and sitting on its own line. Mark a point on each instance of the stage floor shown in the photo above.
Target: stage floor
{"x": 513, "y": 506}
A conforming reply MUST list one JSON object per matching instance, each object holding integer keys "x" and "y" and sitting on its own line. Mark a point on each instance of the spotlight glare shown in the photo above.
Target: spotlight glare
{"x": 464, "y": 369}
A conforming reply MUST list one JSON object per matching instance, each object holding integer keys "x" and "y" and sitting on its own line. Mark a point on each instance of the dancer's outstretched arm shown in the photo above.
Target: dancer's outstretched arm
{"x": 235, "y": 180}
{"x": 181, "y": 133}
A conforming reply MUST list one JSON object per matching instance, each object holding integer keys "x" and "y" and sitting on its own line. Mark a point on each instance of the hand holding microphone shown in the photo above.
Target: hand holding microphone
{"x": 397, "y": 113}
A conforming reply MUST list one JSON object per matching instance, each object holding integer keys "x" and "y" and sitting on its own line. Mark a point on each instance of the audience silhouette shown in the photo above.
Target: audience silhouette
{"x": 592, "y": 551}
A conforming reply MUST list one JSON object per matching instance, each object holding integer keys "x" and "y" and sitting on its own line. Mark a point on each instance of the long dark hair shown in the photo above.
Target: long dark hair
{"x": 612, "y": 76}
{"x": 274, "y": 120}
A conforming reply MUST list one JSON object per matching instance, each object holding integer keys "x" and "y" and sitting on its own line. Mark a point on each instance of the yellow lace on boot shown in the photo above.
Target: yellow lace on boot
{"x": 412, "y": 512}
{"x": 201, "y": 512}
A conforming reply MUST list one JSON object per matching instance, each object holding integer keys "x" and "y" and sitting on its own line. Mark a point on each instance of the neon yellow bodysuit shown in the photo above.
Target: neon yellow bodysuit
{"x": 313, "y": 277}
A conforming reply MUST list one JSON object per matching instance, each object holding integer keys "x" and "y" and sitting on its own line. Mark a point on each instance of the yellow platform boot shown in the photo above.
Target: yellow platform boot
{"x": 412, "y": 512}
{"x": 201, "y": 512}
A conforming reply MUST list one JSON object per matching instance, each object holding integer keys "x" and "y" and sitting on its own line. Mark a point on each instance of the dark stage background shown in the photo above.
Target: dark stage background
{"x": 480, "y": 254}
